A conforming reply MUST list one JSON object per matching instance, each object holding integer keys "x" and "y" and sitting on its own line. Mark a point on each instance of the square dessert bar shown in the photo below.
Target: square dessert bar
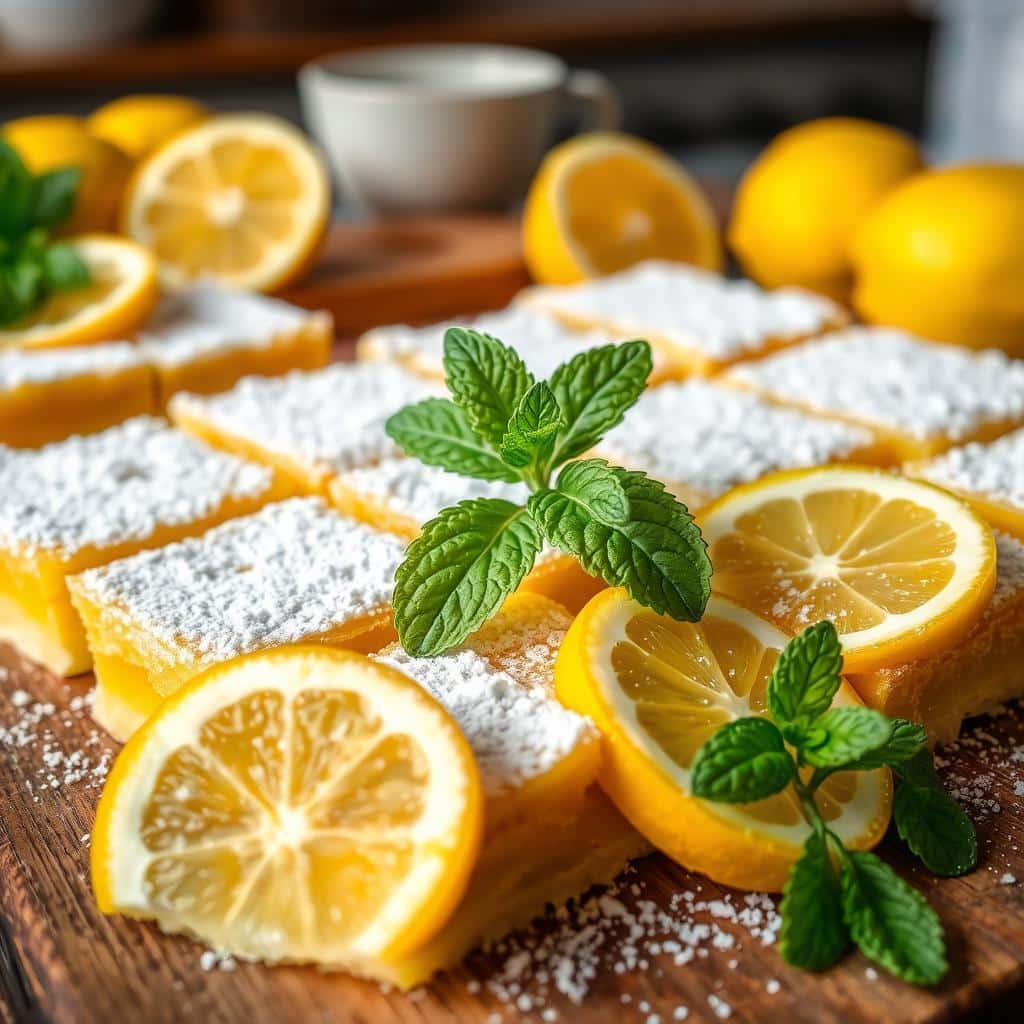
{"x": 990, "y": 476}
{"x": 542, "y": 340}
{"x": 90, "y": 500}
{"x": 208, "y": 337}
{"x": 400, "y": 495}
{"x": 917, "y": 397}
{"x": 309, "y": 426}
{"x": 295, "y": 572}
{"x": 49, "y": 394}
{"x": 984, "y": 671}
{"x": 705, "y": 320}
{"x": 701, "y": 439}
{"x": 549, "y": 832}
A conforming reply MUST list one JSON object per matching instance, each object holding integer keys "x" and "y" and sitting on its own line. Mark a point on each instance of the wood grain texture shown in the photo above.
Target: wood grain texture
{"x": 62, "y": 961}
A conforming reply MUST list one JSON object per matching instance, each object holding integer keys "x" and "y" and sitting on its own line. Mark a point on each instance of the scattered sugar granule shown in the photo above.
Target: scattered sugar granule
{"x": 772, "y": 986}
{"x": 891, "y": 379}
{"x": 121, "y": 484}
{"x": 732, "y": 437}
{"x": 1008, "y": 879}
{"x": 871, "y": 974}
{"x": 293, "y": 570}
{"x": 721, "y": 1009}
{"x": 211, "y": 960}
{"x": 680, "y": 1013}
{"x": 694, "y": 309}
{"x": 326, "y": 420}
{"x": 19, "y": 367}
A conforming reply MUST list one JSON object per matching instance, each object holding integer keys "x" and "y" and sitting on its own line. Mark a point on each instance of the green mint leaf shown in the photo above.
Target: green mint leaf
{"x": 806, "y": 676}
{"x": 595, "y": 491}
{"x": 745, "y": 760}
{"x": 936, "y": 828}
{"x": 849, "y": 734}
{"x": 437, "y": 431}
{"x": 486, "y": 378}
{"x": 657, "y": 554}
{"x": 906, "y": 742}
{"x": 813, "y": 935}
{"x": 17, "y": 192}
{"x": 55, "y": 196}
{"x": 458, "y": 572}
{"x": 63, "y": 268}
{"x": 594, "y": 391}
{"x": 919, "y": 770}
{"x": 890, "y": 922}
{"x": 20, "y": 289}
{"x": 530, "y": 435}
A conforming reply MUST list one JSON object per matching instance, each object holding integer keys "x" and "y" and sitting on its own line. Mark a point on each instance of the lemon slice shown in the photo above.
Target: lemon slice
{"x": 902, "y": 568}
{"x": 604, "y": 201}
{"x": 243, "y": 198}
{"x": 658, "y": 689}
{"x": 304, "y": 805}
{"x": 116, "y": 302}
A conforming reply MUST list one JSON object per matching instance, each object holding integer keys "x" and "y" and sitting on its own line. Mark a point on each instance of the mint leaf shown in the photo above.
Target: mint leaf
{"x": 743, "y": 761}
{"x": 657, "y": 554}
{"x": 920, "y": 770}
{"x": 458, "y": 572}
{"x": 806, "y": 676}
{"x": 848, "y": 735}
{"x": 594, "y": 390}
{"x": 437, "y": 432}
{"x": 55, "y": 196}
{"x": 531, "y": 431}
{"x": 890, "y": 922}
{"x": 63, "y": 268}
{"x": 906, "y": 742}
{"x": 936, "y": 828}
{"x": 813, "y": 935}
{"x": 486, "y": 378}
{"x": 596, "y": 492}
{"x": 17, "y": 192}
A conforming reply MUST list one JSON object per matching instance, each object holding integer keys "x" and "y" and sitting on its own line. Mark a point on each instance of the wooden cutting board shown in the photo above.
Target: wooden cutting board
{"x": 61, "y": 961}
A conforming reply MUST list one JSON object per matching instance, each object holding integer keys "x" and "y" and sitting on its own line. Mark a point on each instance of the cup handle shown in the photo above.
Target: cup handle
{"x": 596, "y": 99}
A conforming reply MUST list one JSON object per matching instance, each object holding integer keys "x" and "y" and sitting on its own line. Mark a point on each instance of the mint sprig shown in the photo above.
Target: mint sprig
{"x": 836, "y": 896}
{"x": 501, "y": 424}
{"x": 31, "y": 266}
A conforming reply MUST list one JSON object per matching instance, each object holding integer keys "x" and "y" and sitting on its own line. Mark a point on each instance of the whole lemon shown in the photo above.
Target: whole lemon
{"x": 138, "y": 124}
{"x": 802, "y": 200}
{"x": 47, "y": 142}
{"x": 943, "y": 257}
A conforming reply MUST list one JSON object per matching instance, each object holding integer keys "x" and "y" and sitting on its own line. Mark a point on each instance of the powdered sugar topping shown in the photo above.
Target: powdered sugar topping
{"x": 46, "y": 366}
{"x": 692, "y": 308}
{"x": 291, "y": 571}
{"x": 993, "y": 471}
{"x": 711, "y": 438}
{"x": 118, "y": 485}
{"x": 1009, "y": 572}
{"x": 331, "y": 419}
{"x": 890, "y": 379}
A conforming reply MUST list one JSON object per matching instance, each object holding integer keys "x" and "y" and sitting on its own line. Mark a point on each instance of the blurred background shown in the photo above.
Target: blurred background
{"x": 711, "y": 81}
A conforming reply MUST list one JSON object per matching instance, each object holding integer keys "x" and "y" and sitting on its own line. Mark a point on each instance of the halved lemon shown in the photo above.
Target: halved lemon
{"x": 604, "y": 201}
{"x": 115, "y": 304}
{"x": 902, "y": 568}
{"x": 243, "y": 198}
{"x": 303, "y": 805}
{"x": 658, "y": 689}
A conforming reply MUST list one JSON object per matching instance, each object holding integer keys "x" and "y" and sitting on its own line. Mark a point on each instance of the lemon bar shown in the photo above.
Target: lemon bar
{"x": 208, "y": 337}
{"x": 918, "y": 398}
{"x": 49, "y": 394}
{"x": 984, "y": 671}
{"x": 990, "y": 476}
{"x": 542, "y": 340}
{"x": 296, "y": 571}
{"x": 86, "y": 501}
{"x": 309, "y": 426}
{"x": 705, "y": 320}
{"x": 400, "y": 495}
{"x": 701, "y": 439}
{"x": 549, "y": 832}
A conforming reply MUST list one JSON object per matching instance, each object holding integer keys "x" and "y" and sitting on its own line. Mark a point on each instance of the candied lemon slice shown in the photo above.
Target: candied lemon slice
{"x": 303, "y": 804}
{"x": 903, "y": 569}
{"x": 658, "y": 689}
{"x": 115, "y": 303}
{"x": 243, "y": 198}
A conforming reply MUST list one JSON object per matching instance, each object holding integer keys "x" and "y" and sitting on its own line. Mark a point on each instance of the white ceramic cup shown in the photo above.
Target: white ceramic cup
{"x": 445, "y": 127}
